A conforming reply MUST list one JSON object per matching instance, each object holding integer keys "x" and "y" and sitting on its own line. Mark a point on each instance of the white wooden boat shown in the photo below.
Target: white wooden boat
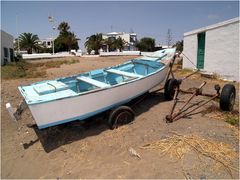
{"x": 78, "y": 97}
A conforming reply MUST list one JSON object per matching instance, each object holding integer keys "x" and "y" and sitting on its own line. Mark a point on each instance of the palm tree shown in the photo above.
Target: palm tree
{"x": 109, "y": 42}
{"x": 94, "y": 42}
{"x": 119, "y": 43}
{"x": 71, "y": 41}
{"x": 63, "y": 27}
{"x": 28, "y": 41}
{"x": 66, "y": 39}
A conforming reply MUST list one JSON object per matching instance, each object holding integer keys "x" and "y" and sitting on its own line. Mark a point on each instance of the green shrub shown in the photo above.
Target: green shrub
{"x": 232, "y": 119}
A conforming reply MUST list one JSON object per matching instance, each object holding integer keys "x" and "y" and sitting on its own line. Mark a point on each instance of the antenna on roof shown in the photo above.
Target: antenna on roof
{"x": 111, "y": 28}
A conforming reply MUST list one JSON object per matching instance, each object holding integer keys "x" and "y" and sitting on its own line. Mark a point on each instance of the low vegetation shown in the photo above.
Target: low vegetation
{"x": 229, "y": 117}
{"x": 24, "y": 69}
{"x": 146, "y": 44}
{"x": 186, "y": 71}
{"x": 232, "y": 118}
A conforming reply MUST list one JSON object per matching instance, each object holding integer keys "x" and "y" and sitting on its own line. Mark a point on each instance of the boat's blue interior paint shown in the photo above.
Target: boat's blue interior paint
{"x": 70, "y": 86}
{"x": 50, "y": 87}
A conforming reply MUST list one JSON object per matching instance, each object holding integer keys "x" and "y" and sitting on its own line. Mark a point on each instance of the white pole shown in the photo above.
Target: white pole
{"x": 53, "y": 45}
{"x": 51, "y": 20}
{"x": 53, "y": 38}
{"x": 18, "y": 49}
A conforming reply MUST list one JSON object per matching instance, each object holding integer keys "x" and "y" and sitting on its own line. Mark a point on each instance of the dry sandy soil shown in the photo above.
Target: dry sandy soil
{"x": 91, "y": 150}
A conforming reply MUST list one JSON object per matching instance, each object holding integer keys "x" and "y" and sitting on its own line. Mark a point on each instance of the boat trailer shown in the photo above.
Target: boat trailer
{"x": 172, "y": 89}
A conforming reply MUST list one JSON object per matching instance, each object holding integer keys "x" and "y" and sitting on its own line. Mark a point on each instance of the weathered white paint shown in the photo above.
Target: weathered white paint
{"x": 6, "y": 42}
{"x": 60, "y": 110}
{"x": 190, "y": 50}
{"x": 123, "y": 53}
{"x": 48, "y": 55}
{"x": 221, "y": 49}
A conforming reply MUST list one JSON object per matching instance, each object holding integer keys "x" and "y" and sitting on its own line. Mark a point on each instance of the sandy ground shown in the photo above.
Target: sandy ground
{"x": 91, "y": 150}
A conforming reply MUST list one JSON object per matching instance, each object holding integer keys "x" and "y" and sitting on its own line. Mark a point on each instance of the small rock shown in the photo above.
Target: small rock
{"x": 63, "y": 150}
{"x": 133, "y": 152}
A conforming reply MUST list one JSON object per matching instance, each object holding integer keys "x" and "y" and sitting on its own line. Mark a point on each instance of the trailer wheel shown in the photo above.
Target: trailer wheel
{"x": 119, "y": 116}
{"x": 169, "y": 88}
{"x": 227, "y": 97}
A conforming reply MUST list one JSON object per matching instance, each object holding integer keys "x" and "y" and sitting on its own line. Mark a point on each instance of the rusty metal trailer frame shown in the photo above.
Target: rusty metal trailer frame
{"x": 186, "y": 109}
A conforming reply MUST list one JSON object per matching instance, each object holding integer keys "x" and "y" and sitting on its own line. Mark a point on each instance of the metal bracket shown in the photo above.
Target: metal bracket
{"x": 16, "y": 113}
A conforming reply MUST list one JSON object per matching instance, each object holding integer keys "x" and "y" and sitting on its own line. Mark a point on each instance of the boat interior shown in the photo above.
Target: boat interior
{"x": 97, "y": 79}
{"x": 100, "y": 78}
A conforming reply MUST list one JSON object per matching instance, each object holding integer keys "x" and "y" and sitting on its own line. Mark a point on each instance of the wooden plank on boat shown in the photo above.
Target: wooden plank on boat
{"x": 93, "y": 82}
{"x": 123, "y": 73}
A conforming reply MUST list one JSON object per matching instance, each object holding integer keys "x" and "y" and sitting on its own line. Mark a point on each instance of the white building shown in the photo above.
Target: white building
{"x": 47, "y": 42}
{"x": 214, "y": 49}
{"x": 129, "y": 38}
{"x": 7, "y": 53}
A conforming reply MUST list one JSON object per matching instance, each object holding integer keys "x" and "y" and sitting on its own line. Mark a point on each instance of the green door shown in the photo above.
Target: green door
{"x": 201, "y": 50}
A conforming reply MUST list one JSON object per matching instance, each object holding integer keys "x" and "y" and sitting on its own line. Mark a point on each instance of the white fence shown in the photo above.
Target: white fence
{"x": 48, "y": 55}
{"x": 123, "y": 53}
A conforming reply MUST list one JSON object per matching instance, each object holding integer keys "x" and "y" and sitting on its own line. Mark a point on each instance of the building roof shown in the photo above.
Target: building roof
{"x": 4, "y": 32}
{"x": 114, "y": 33}
{"x": 203, "y": 29}
{"x": 119, "y": 33}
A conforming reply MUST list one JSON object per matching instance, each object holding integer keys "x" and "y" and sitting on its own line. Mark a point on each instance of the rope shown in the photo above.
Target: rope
{"x": 190, "y": 61}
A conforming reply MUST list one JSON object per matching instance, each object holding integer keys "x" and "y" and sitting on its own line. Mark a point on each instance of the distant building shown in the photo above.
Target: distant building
{"x": 214, "y": 49}
{"x": 129, "y": 38}
{"x": 7, "y": 52}
{"x": 47, "y": 42}
{"x": 160, "y": 47}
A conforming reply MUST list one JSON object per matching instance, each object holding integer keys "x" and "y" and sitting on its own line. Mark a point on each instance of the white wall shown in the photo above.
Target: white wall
{"x": 221, "y": 50}
{"x": 48, "y": 55}
{"x": 123, "y": 53}
{"x": 190, "y": 50}
{"x": 126, "y": 37}
{"x": 6, "y": 42}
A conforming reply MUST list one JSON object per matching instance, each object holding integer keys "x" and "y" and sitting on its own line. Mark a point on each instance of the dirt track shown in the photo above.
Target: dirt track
{"x": 91, "y": 150}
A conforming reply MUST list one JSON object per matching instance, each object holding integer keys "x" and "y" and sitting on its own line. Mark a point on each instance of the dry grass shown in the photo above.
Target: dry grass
{"x": 231, "y": 117}
{"x": 24, "y": 69}
{"x": 179, "y": 146}
{"x": 235, "y": 131}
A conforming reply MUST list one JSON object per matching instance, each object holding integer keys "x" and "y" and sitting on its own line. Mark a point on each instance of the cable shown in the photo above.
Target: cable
{"x": 190, "y": 61}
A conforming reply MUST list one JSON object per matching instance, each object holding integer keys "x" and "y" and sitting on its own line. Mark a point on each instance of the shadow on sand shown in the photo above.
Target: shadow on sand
{"x": 54, "y": 137}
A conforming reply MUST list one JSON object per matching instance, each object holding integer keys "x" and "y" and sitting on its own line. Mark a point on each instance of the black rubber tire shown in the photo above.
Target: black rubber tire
{"x": 227, "y": 97}
{"x": 169, "y": 88}
{"x": 115, "y": 116}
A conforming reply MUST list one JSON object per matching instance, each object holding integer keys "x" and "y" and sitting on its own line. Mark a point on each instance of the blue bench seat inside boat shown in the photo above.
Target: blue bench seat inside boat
{"x": 124, "y": 73}
{"x": 49, "y": 87}
{"x": 93, "y": 82}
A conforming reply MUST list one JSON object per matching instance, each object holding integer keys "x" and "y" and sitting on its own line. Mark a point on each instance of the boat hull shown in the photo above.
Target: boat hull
{"x": 86, "y": 105}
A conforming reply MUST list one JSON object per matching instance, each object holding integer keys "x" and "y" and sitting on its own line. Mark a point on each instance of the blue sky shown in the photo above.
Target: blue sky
{"x": 147, "y": 19}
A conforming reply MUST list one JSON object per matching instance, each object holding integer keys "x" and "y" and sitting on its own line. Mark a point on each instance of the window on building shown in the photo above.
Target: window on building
{"x": 48, "y": 43}
{"x": 133, "y": 39}
{"x": 6, "y": 55}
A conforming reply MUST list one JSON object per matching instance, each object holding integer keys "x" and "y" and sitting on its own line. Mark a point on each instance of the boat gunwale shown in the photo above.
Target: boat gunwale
{"x": 94, "y": 90}
{"x": 165, "y": 65}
